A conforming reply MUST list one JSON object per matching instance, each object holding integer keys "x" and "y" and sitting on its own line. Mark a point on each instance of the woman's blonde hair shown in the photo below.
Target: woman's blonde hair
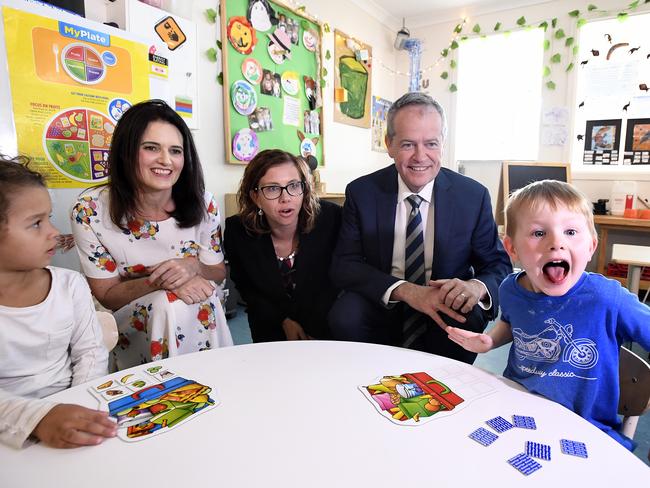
{"x": 254, "y": 172}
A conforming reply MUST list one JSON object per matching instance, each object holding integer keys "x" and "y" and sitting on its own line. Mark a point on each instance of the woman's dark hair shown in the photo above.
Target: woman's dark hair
{"x": 255, "y": 170}
{"x": 187, "y": 192}
{"x": 14, "y": 175}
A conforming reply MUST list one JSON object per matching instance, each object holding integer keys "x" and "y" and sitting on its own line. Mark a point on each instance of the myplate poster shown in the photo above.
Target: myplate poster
{"x": 69, "y": 86}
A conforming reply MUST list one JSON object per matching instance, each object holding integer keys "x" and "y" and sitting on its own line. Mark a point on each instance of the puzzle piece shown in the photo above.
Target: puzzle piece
{"x": 524, "y": 464}
{"x": 483, "y": 436}
{"x": 539, "y": 451}
{"x": 524, "y": 422}
{"x": 499, "y": 424}
{"x": 574, "y": 448}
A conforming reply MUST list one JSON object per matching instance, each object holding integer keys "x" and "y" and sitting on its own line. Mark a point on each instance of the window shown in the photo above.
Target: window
{"x": 499, "y": 96}
{"x": 612, "y": 102}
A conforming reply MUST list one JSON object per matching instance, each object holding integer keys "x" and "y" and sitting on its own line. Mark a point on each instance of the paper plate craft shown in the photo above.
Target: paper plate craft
{"x": 310, "y": 40}
{"x": 241, "y": 34}
{"x": 307, "y": 145}
{"x": 245, "y": 144}
{"x": 279, "y": 46}
{"x": 260, "y": 14}
{"x": 244, "y": 98}
{"x": 290, "y": 83}
{"x": 252, "y": 70}
{"x": 310, "y": 91}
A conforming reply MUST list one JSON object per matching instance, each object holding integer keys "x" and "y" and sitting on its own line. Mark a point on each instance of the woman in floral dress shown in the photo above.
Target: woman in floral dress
{"x": 150, "y": 241}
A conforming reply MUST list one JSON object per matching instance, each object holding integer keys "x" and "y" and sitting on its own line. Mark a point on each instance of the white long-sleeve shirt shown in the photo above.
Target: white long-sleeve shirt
{"x": 46, "y": 348}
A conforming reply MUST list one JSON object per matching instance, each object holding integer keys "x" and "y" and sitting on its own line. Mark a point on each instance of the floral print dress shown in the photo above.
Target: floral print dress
{"x": 159, "y": 324}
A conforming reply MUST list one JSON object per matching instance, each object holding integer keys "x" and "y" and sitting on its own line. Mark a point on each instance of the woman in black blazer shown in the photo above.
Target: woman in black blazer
{"x": 280, "y": 247}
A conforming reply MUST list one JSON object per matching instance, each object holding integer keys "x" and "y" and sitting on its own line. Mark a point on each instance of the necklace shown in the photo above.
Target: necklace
{"x": 287, "y": 258}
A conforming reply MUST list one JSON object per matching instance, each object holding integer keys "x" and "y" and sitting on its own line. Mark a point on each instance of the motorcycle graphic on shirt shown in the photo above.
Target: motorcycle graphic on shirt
{"x": 548, "y": 345}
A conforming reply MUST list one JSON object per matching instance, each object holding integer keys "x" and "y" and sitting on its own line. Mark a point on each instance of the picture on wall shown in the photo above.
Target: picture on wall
{"x": 271, "y": 79}
{"x": 637, "y": 142}
{"x": 380, "y": 108}
{"x": 602, "y": 141}
{"x": 352, "y": 75}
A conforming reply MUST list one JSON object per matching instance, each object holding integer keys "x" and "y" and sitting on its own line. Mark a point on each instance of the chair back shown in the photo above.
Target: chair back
{"x": 109, "y": 329}
{"x": 634, "y": 379}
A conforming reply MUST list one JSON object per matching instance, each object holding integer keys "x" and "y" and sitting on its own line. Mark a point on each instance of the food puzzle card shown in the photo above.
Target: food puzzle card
{"x": 417, "y": 398}
{"x": 152, "y": 401}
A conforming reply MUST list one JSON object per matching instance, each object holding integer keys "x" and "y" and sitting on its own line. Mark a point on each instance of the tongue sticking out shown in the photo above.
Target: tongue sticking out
{"x": 556, "y": 271}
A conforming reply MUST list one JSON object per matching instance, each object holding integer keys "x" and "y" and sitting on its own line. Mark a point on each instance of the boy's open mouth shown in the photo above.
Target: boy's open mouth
{"x": 556, "y": 271}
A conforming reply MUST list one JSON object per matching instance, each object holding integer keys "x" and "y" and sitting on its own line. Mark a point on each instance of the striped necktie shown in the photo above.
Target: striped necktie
{"x": 414, "y": 270}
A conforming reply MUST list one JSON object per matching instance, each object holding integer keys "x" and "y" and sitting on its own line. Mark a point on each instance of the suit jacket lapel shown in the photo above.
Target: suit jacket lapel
{"x": 443, "y": 218}
{"x": 386, "y": 206}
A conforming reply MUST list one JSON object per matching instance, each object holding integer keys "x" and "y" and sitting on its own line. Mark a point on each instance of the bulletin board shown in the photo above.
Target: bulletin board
{"x": 271, "y": 80}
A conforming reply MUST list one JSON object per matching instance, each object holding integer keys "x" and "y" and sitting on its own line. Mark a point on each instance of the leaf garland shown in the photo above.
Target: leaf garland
{"x": 553, "y": 33}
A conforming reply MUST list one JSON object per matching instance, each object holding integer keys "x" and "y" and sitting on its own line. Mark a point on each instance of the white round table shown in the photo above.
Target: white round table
{"x": 292, "y": 415}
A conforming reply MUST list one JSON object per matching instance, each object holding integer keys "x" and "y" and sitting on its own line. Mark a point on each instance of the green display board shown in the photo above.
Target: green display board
{"x": 271, "y": 80}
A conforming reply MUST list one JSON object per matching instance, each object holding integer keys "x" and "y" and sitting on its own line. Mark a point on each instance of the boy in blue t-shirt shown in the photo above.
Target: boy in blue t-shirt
{"x": 567, "y": 325}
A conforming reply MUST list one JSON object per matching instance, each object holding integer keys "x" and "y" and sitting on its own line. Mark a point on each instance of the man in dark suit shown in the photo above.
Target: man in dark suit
{"x": 418, "y": 248}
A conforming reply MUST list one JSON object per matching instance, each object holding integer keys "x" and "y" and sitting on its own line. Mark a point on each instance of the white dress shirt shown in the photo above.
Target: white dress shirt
{"x": 402, "y": 211}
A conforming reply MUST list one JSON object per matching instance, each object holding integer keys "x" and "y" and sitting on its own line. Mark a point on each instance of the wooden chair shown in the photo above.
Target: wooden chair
{"x": 634, "y": 378}
{"x": 109, "y": 329}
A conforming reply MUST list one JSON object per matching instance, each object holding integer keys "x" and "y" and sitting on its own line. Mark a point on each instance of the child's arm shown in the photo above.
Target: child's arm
{"x": 56, "y": 425}
{"x": 87, "y": 352}
{"x": 499, "y": 335}
{"x": 67, "y": 426}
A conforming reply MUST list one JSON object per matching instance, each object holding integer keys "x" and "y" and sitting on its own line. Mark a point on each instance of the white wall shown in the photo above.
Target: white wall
{"x": 595, "y": 181}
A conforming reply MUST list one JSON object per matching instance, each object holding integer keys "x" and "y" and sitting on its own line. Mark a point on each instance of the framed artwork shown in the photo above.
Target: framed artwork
{"x": 352, "y": 76}
{"x": 380, "y": 107}
{"x": 637, "y": 142}
{"x": 602, "y": 141}
{"x": 271, "y": 80}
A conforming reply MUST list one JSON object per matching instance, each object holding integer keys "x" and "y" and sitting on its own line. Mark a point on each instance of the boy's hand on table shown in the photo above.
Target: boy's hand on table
{"x": 67, "y": 426}
{"x": 470, "y": 341}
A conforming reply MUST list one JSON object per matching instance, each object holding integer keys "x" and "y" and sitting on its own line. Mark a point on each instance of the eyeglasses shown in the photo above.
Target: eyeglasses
{"x": 273, "y": 192}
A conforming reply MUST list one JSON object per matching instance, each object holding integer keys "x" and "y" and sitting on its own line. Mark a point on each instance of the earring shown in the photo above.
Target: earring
{"x": 260, "y": 212}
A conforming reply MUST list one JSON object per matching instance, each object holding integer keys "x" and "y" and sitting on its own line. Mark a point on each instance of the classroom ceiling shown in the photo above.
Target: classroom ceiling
{"x": 423, "y": 12}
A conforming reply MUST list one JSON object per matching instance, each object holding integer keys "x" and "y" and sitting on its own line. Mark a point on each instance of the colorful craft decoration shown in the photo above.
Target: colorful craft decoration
{"x": 279, "y": 46}
{"x": 307, "y": 145}
{"x": 310, "y": 40}
{"x": 260, "y": 14}
{"x": 414, "y": 48}
{"x": 252, "y": 70}
{"x": 310, "y": 91}
{"x": 243, "y": 96}
{"x": 290, "y": 83}
{"x": 245, "y": 144}
{"x": 241, "y": 35}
